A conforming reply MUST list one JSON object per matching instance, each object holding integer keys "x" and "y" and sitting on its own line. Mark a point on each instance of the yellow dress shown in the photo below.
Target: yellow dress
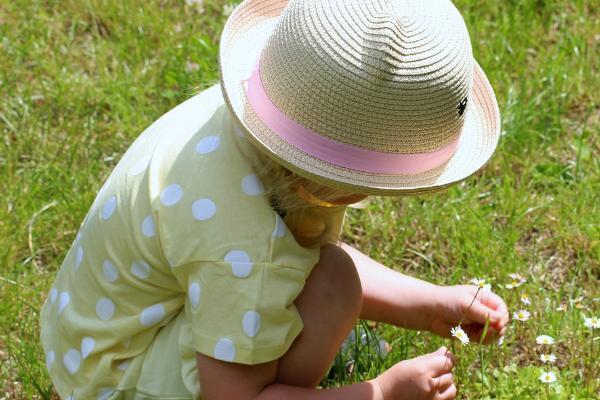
{"x": 181, "y": 252}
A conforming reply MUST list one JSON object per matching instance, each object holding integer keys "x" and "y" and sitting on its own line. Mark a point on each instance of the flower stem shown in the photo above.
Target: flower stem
{"x": 469, "y": 308}
{"x": 590, "y": 370}
{"x": 456, "y": 381}
{"x": 482, "y": 366}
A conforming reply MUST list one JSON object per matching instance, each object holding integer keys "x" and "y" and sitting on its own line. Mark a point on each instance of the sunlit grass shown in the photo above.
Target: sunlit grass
{"x": 81, "y": 79}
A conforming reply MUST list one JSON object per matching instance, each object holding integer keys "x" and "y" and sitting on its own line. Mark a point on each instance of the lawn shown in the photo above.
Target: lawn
{"x": 81, "y": 79}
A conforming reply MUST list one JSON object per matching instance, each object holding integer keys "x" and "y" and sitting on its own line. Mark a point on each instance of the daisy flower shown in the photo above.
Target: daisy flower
{"x": 461, "y": 335}
{"x": 548, "y": 358}
{"x": 521, "y": 315}
{"x": 577, "y": 303}
{"x": 513, "y": 284}
{"x": 518, "y": 277}
{"x": 478, "y": 282}
{"x": 525, "y": 299}
{"x": 592, "y": 323}
{"x": 548, "y": 377}
{"x": 544, "y": 339}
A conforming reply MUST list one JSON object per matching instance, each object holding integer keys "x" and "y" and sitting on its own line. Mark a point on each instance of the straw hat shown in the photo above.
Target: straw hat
{"x": 371, "y": 96}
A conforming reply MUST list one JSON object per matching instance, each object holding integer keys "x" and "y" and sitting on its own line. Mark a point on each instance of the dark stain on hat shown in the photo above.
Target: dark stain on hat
{"x": 462, "y": 106}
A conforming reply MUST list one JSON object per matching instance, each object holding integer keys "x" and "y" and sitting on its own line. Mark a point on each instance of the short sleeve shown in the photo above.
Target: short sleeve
{"x": 233, "y": 257}
{"x": 242, "y": 311}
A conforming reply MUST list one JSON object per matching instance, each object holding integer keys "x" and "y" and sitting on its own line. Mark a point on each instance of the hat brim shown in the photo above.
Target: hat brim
{"x": 242, "y": 40}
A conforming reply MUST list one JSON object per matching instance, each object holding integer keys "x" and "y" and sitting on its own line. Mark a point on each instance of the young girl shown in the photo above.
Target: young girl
{"x": 210, "y": 264}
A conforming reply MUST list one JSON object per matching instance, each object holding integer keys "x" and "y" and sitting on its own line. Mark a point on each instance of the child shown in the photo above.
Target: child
{"x": 209, "y": 264}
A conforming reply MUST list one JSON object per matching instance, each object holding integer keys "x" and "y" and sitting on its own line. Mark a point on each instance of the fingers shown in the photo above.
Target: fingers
{"x": 487, "y": 306}
{"x": 441, "y": 351}
{"x": 480, "y": 313}
{"x": 441, "y": 383}
{"x": 441, "y": 361}
{"x": 448, "y": 394}
{"x": 495, "y": 302}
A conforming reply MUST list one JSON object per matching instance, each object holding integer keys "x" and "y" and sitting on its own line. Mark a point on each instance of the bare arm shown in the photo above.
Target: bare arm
{"x": 222, "y": 380}
{"x": 391, "y": 297}
{"x": 394, "y": 298}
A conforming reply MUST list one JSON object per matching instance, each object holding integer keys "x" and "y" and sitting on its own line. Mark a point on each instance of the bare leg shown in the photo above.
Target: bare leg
{"x": 329, "y": 304}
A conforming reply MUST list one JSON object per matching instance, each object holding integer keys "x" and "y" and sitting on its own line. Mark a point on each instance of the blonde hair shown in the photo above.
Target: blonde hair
{"x": 281, "y": 186}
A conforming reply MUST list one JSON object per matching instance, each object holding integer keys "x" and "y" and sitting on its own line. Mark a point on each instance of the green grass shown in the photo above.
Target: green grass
{"x": 81, "y": 79}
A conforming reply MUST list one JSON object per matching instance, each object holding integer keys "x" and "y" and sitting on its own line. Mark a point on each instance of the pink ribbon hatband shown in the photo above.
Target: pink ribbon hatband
{"x": 335, "y": 152}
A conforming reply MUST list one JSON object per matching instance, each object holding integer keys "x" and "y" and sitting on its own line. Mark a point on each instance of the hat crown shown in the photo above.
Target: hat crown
{"x": 384, "y": 75}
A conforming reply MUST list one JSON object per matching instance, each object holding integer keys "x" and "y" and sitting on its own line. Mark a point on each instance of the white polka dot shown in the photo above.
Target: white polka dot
{"x": 152, "y": 315}
{"x": 63, "y": 300}
{"x": 204, "y": 209}
{"x": 171, "y": 195}
{"x": 53, "y": 295}
{"x": 72, "y": 360}
{"x": 105, "y": 393}
{"x": 241, "y": 266}
{"x": 148, "y": 229}
{"x": 208, "y": 144}
{"x": 225, "y": 350}
{"x": 251, "y": 185}
{"x": 251, "y": 323}
{"x": 109, "y": 208}
{"x": 105, "y": 309}
{"x": 141, "y": 269}
{"x": 78, "y": 257}
{"x": 194, "y": 292}
{"x": 279, "y": 230}
{"x": 87, "y": 345}
{"x": 139, "y": 166}
{"x": 110, "y": 272}
{"x": 123, "y": 365}
{"x": 50, "y": 357}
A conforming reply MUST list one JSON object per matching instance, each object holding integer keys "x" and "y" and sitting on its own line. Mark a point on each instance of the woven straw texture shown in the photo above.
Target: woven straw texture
{"x": 386, "y": 76}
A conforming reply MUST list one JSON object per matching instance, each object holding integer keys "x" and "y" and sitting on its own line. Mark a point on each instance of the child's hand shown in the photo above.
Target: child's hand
{"x": 426, "y": 377}
{"x": 454, "y": 305}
